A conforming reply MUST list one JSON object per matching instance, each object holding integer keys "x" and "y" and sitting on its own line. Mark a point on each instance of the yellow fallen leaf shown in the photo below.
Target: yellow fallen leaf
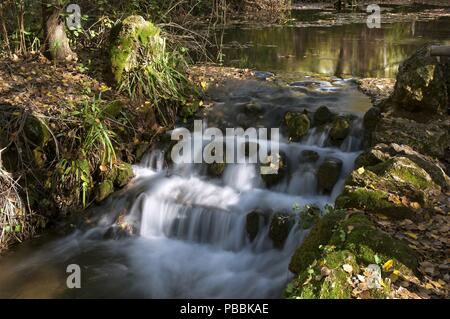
{"x": 412, "y": 235}
{"x": 388, "y": 265}
{"x": 347, "y": 268}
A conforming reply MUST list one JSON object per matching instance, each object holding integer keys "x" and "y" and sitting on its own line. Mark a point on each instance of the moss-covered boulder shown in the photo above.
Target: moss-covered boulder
{"x": 339, "y": 130}
{"x": 383, "y": 152}
{"x": 36, "y": 131}
{"x": 398, "y": 188}
{"x": 124, "y": 175}
{"x": 329, "y": 173}
{"x": 323, "y": 115}
{"x": 216, "y": 169}
{"x": 422, "y": 84}
{"x": 103, "y": 190}
{"x": 297, "y": 125}
{"x": 347, "y": 248}
{"x": 127, "y": 38}
{"x": 279, "y": 229}
{"x": 370, "y": 245}
{"x": 320, "y": 234}
{"x": 274, "y": 170}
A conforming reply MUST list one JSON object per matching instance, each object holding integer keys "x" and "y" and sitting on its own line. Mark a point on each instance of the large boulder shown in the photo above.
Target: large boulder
{"x": 349, "y": 247}
{"x": 328, "y": 174}
{"x": 397, "y": 187}
{"x": 423, "y": 84}
{"x": 297, "y": 124}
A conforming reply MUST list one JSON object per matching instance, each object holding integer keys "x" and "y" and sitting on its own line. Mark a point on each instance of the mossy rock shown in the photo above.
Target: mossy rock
{"x": 254, "y": 221}
{"x": 319, "y": 235}
{"x": 216, "y": 169}
{"x": 311, "y": 284}
{"x": 309, "y": 216}
{"x": 127, "y": 38}
{"x": 297, "y": 124}
{"x": 279, "y": 229}
{"x": 269, "y": 174}
{"x": 103, "y": 190}
{"x": 323, "y": 115}
{"x": 404, "y": 169}
{"x": 329, "y": 173}
{"x": 422, "y": 84}
{"x": 113, "y": 109}
{"x": 36, "y": 132}
{"x": 339, "y": 130}
{"x": 371, "y": 245}
{"x": 124, "y": 174}
{"x": 397, "y": 188}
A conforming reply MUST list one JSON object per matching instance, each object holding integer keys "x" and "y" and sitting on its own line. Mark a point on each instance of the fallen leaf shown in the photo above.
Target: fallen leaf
{"x": 347, "y": 268}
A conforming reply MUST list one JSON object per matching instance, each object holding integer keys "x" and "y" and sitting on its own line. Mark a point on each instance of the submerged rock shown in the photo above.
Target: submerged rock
{"x": 297, "y": 125}
{"x": 329, "y": 173}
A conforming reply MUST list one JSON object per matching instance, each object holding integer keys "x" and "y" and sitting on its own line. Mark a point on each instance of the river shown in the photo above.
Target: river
{"x": 191, "y": 239}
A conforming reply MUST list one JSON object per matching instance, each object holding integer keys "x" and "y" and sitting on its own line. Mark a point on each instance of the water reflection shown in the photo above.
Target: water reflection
{"x": 351, "y": 49}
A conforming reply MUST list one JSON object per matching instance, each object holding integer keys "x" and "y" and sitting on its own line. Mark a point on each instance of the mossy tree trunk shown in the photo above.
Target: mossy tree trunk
{"x": 56, "y": 42}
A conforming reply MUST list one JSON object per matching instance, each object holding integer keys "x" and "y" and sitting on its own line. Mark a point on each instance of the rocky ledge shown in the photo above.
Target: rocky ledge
{"x": 387, "y": 236}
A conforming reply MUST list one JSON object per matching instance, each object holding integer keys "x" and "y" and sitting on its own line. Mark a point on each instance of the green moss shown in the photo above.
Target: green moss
{"x": 216, "y": 169}
{"x": 297, "y": 124}
{"x": 103, "y": 190}
{"x": 319, "y": 235}
{"x": 362, "y": 198}
{"x": 371, "y": 245}
{"x": 126, "y": 37}
{"x": 406, "y": 170}
{"x": 124, "y": 174}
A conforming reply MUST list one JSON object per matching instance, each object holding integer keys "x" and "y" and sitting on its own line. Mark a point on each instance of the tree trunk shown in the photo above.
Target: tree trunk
{"x": 56, "y": 42}
{"x": 4, "y": 31}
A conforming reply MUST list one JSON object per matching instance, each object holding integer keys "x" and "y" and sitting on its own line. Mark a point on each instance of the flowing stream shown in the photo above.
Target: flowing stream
{"x": 190, "y": 228}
